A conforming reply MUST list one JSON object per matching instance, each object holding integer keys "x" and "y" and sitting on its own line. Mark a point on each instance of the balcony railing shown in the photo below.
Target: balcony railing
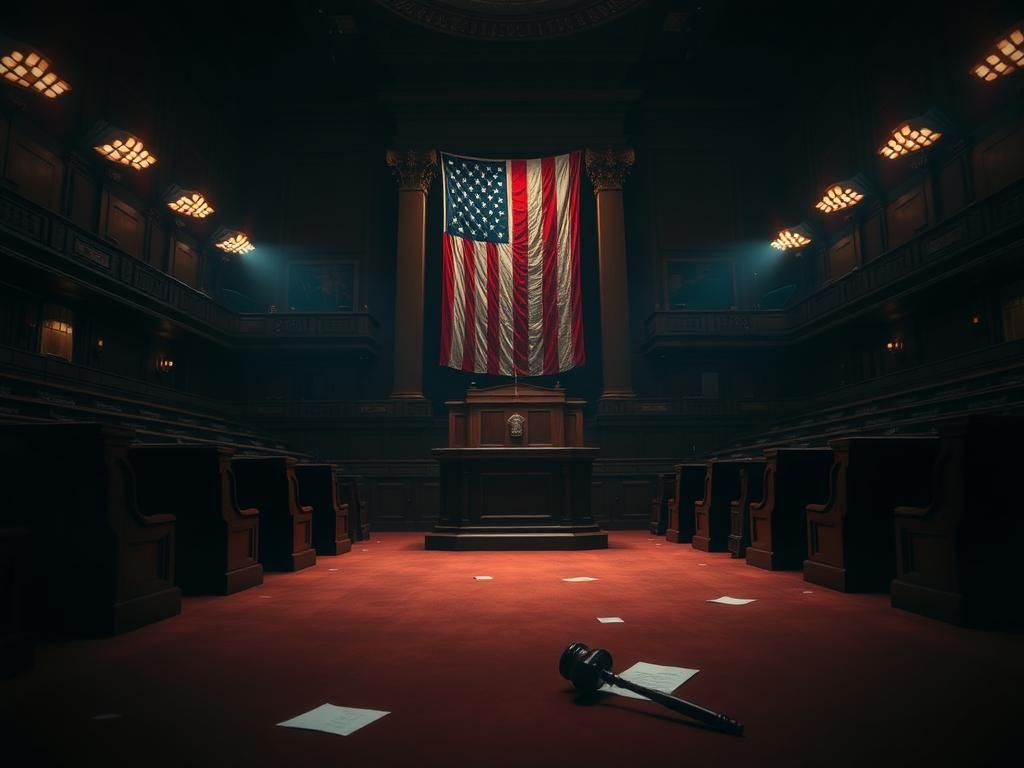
{"x": 943, "y": 250}
{"x": 61, "y": 246}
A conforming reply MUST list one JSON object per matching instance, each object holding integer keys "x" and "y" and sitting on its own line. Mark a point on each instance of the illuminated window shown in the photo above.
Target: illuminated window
{"x": 1006, "y": 56}
{"x": 233, "y": 241}
{"x": 57, "y": 337}
{"x": 188, "y": 202}
{"x": 119, "y": 146}
{"x": 843, "y": 194}
{"x": 792, "y": 238}
{"x": 911, "y": 136}
{"x": 22, "y": 66}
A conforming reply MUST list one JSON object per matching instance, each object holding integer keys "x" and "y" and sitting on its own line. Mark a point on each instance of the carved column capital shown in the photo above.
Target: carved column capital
{"x": 607, "y": 168}
{"x": 415, "y": 169}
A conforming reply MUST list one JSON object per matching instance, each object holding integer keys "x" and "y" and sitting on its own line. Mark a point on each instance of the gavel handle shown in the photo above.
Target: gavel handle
{"x": 706, "y": 716}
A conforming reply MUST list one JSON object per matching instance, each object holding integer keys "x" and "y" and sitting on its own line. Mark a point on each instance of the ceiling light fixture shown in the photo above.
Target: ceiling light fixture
{"x": 793, "y": 238}
{"x": 188, "y": 202}
{"x": 1006, "y": 56}
{"x": 233, "y": 241}
{"x": 912, "y": 135}
{"x": 842, "y": 194}
{"x": 21, "y": 65}
{"x": 119, "y": 146}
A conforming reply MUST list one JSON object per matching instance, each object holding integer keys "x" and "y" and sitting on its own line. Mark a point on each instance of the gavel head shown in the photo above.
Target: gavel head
{"x": 582, "y": 666}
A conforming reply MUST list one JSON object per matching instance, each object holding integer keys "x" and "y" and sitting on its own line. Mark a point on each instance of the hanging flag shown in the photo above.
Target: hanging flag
{"x": 511, "y": 275}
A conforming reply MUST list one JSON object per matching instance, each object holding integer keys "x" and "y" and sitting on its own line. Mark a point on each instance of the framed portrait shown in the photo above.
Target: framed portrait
{"x": 699, "y": 284}
{"x": 322, "y": 286}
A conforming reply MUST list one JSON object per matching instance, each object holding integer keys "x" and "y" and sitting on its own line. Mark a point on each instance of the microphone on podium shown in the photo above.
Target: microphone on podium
{"x": 588, "y": 670}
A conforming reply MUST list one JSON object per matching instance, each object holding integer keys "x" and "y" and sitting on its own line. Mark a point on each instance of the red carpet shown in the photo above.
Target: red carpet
{"x": 468, "y": 669}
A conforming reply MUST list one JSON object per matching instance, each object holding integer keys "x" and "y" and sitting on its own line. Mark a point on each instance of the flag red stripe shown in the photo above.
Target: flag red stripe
{"x": 549, "y": 242}
{"x": 520, "y": 241}
{"x": 447, "y": 291}
{"x": 493, "y": 336}
{"x": 574, "y": 247}
{"x": 469, "y": 342}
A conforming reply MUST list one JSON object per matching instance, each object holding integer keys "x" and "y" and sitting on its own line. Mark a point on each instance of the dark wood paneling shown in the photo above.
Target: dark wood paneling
{"x": 907, "y": 215}
{"x": 952, "y": 187}
{"x": 688, "y": 213}
{"x": 538, "y": 427}
{"x": 873, "y": 242}
{"x": 492, "y": 428}
{"x": 82, "y": 206}
{"x": 842, "y": 257}
{"x": 185, "y": 263}
{"x": 999, "y": 161}
{"x": 36, "y": 172}
{"x": 122, "y": 225}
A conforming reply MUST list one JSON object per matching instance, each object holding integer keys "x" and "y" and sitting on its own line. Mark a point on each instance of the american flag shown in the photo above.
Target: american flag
{"x": 511, "y": 280}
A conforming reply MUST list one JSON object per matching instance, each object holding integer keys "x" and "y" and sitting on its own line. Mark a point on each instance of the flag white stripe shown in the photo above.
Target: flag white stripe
{"x": 506, "y": 321}
{"x": 565, "y": 357}
{"x": 535, "y": 266}
{"x": 480, "y": 304}
{"x": 458, "y": 303}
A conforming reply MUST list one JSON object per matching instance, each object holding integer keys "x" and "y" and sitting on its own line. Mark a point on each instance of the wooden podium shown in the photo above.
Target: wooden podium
{"x": 515, "y": 474}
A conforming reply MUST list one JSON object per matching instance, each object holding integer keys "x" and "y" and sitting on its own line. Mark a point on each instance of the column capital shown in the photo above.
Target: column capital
{"x": 607, "y": 168}
{"x": 414, "y": 168}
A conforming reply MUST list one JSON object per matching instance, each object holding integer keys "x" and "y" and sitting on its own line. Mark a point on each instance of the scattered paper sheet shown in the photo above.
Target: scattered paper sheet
{"x": 483, "y": 578}
{"x": 581, "y": 578}
{"x": 726, "y": 600}
{"x": 656, "y": 676}
{"x": 610, "y": 620}
{"x": 331, "y": 719}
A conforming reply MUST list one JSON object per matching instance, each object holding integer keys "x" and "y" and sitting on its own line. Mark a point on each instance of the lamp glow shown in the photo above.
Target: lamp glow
{"x": 188, "y": 202}
{"x": 792, "y": 238}
{"x": 843, "y": 194}
{"x": 22, "y": 66}
{"x": 233, "y": 241}
{"x": 911, "y": 136}
{"x": 119, "y": 146}
{"x": 1005, "y": 57}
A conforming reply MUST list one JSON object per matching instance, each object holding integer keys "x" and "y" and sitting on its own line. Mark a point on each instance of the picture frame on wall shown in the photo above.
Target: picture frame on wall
{"x": 322, "y": 286}
{"x": 699, "y": 284}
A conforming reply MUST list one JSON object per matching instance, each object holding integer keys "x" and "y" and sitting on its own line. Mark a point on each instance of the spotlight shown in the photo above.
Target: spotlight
{"x": 119, "y": 146}
{"x": 793, "y": 238}
{"x": 233, "y": 241}
{"x": 21, "y": 65}
{"x": 842, "y": 194}
{"x": 912, "y": 135}
{"x": 1006, "y": 56}
{"x": 188, "y": 202}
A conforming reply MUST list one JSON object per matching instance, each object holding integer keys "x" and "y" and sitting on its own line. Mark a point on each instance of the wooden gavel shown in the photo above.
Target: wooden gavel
{"x": 589, "y": 669}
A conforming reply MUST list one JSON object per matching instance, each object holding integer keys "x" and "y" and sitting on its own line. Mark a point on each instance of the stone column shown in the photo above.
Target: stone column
{"x": 414, "y": 170}
{"x": 607, "y": 168}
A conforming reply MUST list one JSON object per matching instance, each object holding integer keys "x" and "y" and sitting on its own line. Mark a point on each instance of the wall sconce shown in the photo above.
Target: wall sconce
{"x": 894, "y": 345}
{"x": 975, "y": 320}
{"x": 188, "y": 202}
{"x": 233, "y": 241}
{"x": 165, "y": 365}
{"x": 913, "y": 135}
{"x": 21, "y": 65}
{"x": 119, "y": 146}
{"x": 1005, "y": 57}
{"x": 99, "y": 345}
{"x": 842, "y": 194}
{"x": 793, "y": 238}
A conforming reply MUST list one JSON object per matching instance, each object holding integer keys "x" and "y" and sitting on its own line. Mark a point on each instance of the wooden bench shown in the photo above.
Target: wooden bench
{"x": 664, "y": 486}
{"x": 751, "y": 489}
{"x": 689, "y": 487}
{"x": 15, "y": 638}
{"x": 351, "y": 492}
{"x": 318, "y": 488}
{"x": 957, "y": 557}
{"x": 286, "y": 526}
{"x": 793, "y": 478}
{"x": 713, "y": 513}
{"x": 99, "y": 564}
{"x": 850, "y": 537}
{"x": 217, "y": 541}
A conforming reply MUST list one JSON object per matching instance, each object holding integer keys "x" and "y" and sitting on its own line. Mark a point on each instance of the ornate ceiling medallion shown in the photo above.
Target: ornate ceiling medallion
{"x": 510, "y": 19}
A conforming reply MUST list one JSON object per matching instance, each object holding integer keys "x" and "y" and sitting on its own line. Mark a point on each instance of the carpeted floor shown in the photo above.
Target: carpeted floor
{"x": 468, "y": 669}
